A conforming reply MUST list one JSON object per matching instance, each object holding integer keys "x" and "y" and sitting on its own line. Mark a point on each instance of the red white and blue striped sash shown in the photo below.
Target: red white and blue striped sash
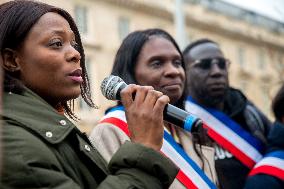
{"x": 272, "y": 164}
{"x": 228, "y": 134}
{"x": 190, "y": 175}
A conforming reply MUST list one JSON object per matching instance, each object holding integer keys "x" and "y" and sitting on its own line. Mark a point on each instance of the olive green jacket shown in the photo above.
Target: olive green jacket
{"x": 43, "y": 149}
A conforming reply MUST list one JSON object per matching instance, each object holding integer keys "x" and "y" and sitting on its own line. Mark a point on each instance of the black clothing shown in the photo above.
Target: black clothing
{"x": 230, "y": 171}
{"x": 275, "y": 142}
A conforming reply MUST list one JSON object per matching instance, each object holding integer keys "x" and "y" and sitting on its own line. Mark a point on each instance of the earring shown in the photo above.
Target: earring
{"x": 10, "y": 86}
{"x": 10, "y": 90}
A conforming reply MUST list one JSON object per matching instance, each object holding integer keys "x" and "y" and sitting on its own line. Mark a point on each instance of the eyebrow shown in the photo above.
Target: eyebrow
{"x": 163, "y": 57}
{"x": 62, "y": 32}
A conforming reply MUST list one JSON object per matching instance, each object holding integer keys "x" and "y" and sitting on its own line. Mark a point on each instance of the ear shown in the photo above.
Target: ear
{"x": 10, "y": 60}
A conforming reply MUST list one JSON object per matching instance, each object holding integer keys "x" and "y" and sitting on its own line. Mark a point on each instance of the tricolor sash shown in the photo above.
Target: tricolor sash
{"x": 190, "y": 175}
{"x": 272, "y": 164}
{"x": 228, "y": 133}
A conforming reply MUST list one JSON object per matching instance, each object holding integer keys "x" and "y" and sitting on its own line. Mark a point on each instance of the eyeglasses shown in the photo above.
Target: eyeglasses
{"x": 206, "y": 63}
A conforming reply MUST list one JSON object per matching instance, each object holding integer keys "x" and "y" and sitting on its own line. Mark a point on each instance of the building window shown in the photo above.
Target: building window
{"x": 261, "y": 59}
{"x": 81, "y": 18}
{"x": 123, "y": 27}
{"x": 241, "y": 56}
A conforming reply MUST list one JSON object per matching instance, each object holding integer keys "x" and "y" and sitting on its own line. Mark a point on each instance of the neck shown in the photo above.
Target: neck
{"x": 220, "y": 106}
{"x": 209, "y": 102}
{"x": 60, "y": 109}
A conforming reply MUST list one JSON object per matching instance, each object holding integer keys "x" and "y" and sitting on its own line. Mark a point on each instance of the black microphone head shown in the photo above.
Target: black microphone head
{"x": 111, "y": 87}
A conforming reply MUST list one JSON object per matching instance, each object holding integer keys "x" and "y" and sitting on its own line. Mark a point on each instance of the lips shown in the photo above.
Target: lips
{"x": 172, "y": 86}
{"x": 217, "y": 85}
{"x": 217, "y": 89}
{"x": 76, "y": 75}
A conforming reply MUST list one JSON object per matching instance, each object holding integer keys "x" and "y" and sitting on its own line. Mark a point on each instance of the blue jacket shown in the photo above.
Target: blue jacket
{"x": 275, "y": 142}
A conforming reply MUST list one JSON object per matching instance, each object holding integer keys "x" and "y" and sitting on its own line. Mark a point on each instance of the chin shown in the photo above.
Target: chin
{"x": 75, "y": 94}
{"x": 174, "y": 98}
{"x": 217, "y": 93}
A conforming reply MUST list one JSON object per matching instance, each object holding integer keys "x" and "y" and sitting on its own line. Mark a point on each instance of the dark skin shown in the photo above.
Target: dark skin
{"x": 48, "y": 63}
{"x": 207, "y": 86}
{"x": 47, "y": 59}
{"x": 159, "y": 65}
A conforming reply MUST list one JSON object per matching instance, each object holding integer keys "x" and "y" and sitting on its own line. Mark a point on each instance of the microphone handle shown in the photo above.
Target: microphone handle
{"x": 172, "y": 114}
{"x": 182, "y": 118}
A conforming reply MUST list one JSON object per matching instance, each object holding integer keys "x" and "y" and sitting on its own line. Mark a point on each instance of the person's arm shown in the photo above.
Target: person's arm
{"x": 107, "y": 139}
{"x": 144, "y": 113}
{"x": 29, "y": 163}
{"x": 137, "y": 166}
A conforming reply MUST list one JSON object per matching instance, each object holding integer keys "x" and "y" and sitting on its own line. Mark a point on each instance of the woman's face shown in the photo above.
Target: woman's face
{"x": 159, "y": 65}
{"x": 49, "y": 62}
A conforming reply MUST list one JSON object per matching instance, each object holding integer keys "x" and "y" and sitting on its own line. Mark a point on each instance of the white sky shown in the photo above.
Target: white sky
{"x": 270, "y": 8}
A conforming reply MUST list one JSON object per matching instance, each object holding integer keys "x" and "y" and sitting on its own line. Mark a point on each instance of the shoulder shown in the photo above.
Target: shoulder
{"x": 107, "y": 131}
{"x": 20, "y": 146}
{"x": 262, "y": 181}
{"x": 27, "y": 157}
{"x": 107, "y": 138}
{"x": 275, "y": 137}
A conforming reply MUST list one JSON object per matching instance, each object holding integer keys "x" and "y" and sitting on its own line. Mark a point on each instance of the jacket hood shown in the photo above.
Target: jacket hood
{"x": 235, "y": 102}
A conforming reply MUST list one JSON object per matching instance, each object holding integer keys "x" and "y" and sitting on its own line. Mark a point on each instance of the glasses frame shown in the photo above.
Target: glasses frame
{"x": 196, "y": 62}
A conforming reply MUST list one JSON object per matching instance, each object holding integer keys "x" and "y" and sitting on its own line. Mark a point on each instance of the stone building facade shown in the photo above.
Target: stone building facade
{"x": 253, "y": 43}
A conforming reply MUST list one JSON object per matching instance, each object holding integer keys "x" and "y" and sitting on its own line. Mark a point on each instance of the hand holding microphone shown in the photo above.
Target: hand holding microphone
{"x": 112, "y": 86}
{"x": 144, "y": 114}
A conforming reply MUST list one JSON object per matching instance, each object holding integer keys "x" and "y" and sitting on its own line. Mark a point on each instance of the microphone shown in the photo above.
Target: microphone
{"x": 112, "y": 85}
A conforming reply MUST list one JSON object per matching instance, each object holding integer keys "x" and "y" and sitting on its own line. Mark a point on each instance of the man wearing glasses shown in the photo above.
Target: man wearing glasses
{"x": 235, "y": 127}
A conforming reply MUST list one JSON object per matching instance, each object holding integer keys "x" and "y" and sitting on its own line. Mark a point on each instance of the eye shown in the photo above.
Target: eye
{"x": 56, "y": 43}
{"x": 156, "y": 64}
{"x": 75, "y": 45}
{"x": 177, "y": 63}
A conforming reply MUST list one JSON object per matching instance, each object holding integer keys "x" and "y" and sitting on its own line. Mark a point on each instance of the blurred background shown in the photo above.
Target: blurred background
{"x": 251, "y": 34}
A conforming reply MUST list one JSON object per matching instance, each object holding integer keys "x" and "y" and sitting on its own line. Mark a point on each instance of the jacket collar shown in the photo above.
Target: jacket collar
{"x": 235, "y": 102}
{"x": 30, "y": 111}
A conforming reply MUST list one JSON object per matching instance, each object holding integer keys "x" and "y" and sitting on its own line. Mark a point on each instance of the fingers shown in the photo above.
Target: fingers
{"x": 141, "y": 94}
{"x": 160, "y": 104}
{"x": 134, "y": 94}
{"x": 152, "y": 97}
{"x": 144, "y": 114}
{"x": 126, "y": 95}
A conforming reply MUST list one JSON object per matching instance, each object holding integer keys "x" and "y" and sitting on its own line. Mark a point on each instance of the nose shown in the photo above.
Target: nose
{"x": 73, "y": 55}
{"x": 171, "y": 69}
{"x": 215, "y": 70}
